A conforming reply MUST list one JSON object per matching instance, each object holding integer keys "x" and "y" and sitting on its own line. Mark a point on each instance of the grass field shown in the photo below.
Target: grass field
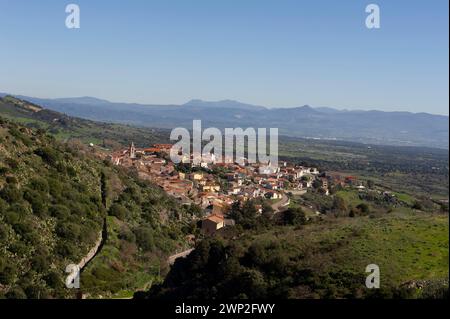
{"x": 405, "y": 245}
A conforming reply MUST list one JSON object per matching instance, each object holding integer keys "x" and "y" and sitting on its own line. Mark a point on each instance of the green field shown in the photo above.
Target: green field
{"x": 405, "y": 245}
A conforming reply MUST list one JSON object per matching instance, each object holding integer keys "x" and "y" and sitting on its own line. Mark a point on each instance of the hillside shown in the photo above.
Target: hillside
{"x": 56, "y": 198}
{"x": 317, "y": 259}
{"x": 376, "y": 127}
{"x": 66, "y": 128}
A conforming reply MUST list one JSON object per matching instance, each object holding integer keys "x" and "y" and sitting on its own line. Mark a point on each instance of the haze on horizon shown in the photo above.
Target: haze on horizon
{"x": 274, "y": 54}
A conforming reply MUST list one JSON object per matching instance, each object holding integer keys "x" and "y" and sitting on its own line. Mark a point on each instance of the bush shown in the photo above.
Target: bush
{"x": 417, "y": 205}
{"x": 18, "y": 248}
{"x": 144, "y": 238}
{"x": 363, "y": 208}
{"x": 23, "y": 228}
{"x": 48, "y": 155}
{"x": 7, "y": 274}
{"x": 11, "y": 194}
{"x": 59, "y": 211}
{"x": 39, "y": 184}
{"x": 11, "y": 180}
{"x": 127, "y": 235}
{"x": 69, "y": 231}
{"x": 40, "y": 263}
{"x": 66, "y": 250}
{"x": 11, "y": 217}
{"x": 37, "y": 202}
{"x": 54, "y": 280}
{"x": 118, "y": 211}
{"x": 3, "y": 232}
{"x": 35, "y": 292}
{"x": 3, "y": 206}
{"x": 16, "y": 293}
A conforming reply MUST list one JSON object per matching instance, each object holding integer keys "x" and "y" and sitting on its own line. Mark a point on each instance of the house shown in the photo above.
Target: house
{"x": 324, "y": 182}
{"x": 273, "y": 195}
{"x": 212, "y": 224}
{"x": 196, "y": 176}
{"x": 210, "y": 187}
{"x": 234, "y": 190}
{"x": 163, "y": 147}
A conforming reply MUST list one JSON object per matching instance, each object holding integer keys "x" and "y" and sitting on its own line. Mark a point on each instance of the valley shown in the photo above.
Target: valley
{"x": 307, "y": 229}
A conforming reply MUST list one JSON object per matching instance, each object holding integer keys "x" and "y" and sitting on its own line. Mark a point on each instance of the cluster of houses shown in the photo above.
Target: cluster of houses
{"x": 213, "y": 192}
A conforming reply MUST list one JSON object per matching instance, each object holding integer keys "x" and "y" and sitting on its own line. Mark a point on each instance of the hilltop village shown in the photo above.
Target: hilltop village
{"x": 215, "y": 186}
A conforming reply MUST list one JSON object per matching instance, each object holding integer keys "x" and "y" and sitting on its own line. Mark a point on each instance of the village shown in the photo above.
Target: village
{"x": 215, "y": 186}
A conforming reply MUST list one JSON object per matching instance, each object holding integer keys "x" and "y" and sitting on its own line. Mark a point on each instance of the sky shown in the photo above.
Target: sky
{"x": 276, "y": 53}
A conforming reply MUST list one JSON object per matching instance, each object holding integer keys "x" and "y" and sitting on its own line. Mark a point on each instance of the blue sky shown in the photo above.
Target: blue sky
{"x": 273, "y": 53}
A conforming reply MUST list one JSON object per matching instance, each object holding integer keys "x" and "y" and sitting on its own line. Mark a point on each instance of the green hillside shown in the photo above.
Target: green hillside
{"x": 65, "y": 128}
{"x": 53, "y": 205}
{"x": 321, "y": 259}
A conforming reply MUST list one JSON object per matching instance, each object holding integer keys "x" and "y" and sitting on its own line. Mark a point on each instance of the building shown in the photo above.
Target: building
{"x": 212, "y": 224}
{"x": 132, "y": 151}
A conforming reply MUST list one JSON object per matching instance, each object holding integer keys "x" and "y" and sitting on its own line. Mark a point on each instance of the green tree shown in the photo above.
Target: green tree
{"x": 294, "y": 216}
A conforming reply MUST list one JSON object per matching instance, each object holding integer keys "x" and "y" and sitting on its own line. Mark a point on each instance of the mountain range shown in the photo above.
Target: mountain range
{"x": 374, "y": 127}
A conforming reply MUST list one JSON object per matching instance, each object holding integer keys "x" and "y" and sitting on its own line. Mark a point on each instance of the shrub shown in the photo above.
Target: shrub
{"x": 127, "y": 235}
{"x": 66, "y": 250}
{"x": 118, "y": 211}
{"x": 3, "y": 206}
{"x": 18, "y": 248}
{"x": 59, "y": 211}
{"x": 69, "y": 231}
{"x": 144, "y": 238}
{"x": 40, "y": 263}
{"x": 39, "y": 184}
{"x": 3, "y": 232}
{"x": 11, "y": 194}
{"x": 54, "y": 280}
{"x": 7, "y": 274}
{"x": 11, "y": 217}
{"x": 48, "y": 155}
{"x": 363, "y": 208}
{"x": 16, "y": 293}
{"x": 37, "y": 202}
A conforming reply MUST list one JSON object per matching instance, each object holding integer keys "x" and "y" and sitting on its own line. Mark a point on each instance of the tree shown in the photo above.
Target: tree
{"x": 417, "y": 205}
{"x": 363, "y": 208}
{"x": 317, "y": 184}
{"x": 294, "y": 216}
{"x": 339, "y": 204}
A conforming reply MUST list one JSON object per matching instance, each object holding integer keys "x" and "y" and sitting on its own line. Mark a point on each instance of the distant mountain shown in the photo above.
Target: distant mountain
{"x": 376, "y": 127}
{"x": 228, "y": 104}
{"x": 82, "y": 100}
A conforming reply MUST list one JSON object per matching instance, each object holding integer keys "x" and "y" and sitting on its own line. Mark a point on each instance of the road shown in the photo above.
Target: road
{"x": 183, "y": 254}
{"x": 281, "y": 204}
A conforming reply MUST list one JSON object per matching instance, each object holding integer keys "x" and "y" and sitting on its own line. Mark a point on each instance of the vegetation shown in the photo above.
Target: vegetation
{"x": 66, "y": 128}
{"x": 54, "y": 201}
{"x": 318, "y": 260}
{"x": 57, "y": 198}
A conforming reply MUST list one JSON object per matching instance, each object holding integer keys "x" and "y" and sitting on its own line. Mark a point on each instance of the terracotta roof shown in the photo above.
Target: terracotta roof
{"x": 216, "y": 219}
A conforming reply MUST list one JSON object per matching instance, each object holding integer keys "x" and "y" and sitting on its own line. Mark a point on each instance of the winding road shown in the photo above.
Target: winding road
{"x": 281, "y": 204}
